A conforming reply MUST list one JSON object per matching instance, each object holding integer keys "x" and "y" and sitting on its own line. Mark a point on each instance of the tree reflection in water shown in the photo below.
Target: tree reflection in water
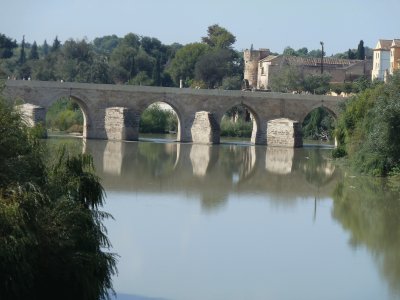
{"x": 370, "y": 211}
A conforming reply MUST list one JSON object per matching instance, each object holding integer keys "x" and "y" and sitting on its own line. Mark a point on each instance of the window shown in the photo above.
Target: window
{"x": 262, "y": 71}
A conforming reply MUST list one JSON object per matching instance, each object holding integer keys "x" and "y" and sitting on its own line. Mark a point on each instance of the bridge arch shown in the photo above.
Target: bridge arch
{"x": 332, "y": 110}
{"x": 159, "y": 117}
{"x": 250, "y": 114}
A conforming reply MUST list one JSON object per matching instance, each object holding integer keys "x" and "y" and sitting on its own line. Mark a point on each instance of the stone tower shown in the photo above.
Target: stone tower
{"x": 251, "y": 59}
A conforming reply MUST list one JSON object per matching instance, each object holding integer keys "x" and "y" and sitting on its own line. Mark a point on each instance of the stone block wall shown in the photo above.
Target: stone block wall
{"x": 121, "y": 124}
{"x": 284, "y": 133}
{"x": 205, "y": 129}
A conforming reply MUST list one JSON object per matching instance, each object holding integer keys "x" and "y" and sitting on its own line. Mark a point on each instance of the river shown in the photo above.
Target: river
{"x": 235, "y": 221}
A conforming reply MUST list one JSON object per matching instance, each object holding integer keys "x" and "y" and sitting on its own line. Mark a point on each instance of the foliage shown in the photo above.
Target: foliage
{"x": 240, "y": 128}
{"x": 219, "y": 37}
{"x": 6, "y": 46}
{"x": 369, "y": 125}
{"x": 318, "y": 125}
{"x": 132, "y": 59}
{"x": 288, "y": 79}
{"x": 34, "y": 54}
{"x": 212, "y": 67}
{"x": 316, "y": 84}
{"x": 52, "y": 239}
{"x": 63, "y": 115}
{"x": 361, "y": 51}
{"x": 156, "y": 120}
{"x": 183, "y": 64}
{"x": 232, "y": 83}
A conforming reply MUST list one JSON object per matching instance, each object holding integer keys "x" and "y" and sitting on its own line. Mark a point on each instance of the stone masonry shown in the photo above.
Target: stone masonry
{"x": 284, "y": 133}
{"x": 119, "y": 124}
{"x": 113, "y": 111}
{"x": 205, "y": 129}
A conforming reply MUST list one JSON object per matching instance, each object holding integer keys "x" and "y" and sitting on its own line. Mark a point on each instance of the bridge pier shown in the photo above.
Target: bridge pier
{"x": 205, "y": 129}
{"x": 284, "y": 133}
{"x": 121, "y": 124}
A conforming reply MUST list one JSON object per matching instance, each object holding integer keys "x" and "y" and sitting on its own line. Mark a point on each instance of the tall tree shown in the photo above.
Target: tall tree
{"x": 34, "y": 54}
{"x": 183, "y": 64}
{"x": 22, "y": 55}
{"x": 45, "y": 48}
{"x": 351, "y": 54}
{"x": 6, "y": 46}
{"x": 212, "y": 67}
{"x": 219, "y": 37}
{"x": 361, "y": 50}
{"x": 56, "y": 45}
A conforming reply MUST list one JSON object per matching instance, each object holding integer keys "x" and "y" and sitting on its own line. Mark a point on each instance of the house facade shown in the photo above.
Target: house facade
{"x": 261, "y": 67}
{"x": 394, "y": 56}
{"x": 381, "y": 59}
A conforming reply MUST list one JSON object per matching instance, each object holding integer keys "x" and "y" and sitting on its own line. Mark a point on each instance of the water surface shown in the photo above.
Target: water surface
{"x": 245, "y": 222}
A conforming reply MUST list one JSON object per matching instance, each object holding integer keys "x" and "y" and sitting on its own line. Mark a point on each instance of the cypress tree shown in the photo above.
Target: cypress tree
{"x": 56, "y": 45}
{"x": 22, "y": 55}
{"x": 361, "y": 50}
{"x": 45, "y": 48}
{"x": 34, "y": 51}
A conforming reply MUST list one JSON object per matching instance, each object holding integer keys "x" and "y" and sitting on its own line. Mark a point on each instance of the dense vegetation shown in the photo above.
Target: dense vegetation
{"x": 133, "y": 59}
{"x": 156, "y": 120}
{"x": 368, "y": 128}
{"x": 52, "y": 240}
{"x": 65, "y": 115}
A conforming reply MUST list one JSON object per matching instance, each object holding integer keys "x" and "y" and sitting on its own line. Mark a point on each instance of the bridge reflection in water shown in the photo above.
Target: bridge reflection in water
{"x": 213, "y": 170}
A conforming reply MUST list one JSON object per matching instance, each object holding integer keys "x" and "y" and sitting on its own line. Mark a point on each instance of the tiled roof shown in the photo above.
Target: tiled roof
{"x": 316, "y": 61}
{"x": 269, "y": 58}
{"x": 396, "y": 43}
{"x": 383, "y": 45}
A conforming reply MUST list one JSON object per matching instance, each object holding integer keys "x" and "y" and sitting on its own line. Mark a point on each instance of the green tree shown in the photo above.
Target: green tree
{"x": 212, "y": 67}
{"x": 51, "y": 232}
{"x": 316, "y": 84}
{"x": 219, "y": 37}
{"x": 184, "y": 62}
{"x": 288, "y": 79}
{"x": 368, "y": 128}
{"x": 45, "y": 48}
{"x": 6, "y": 46}
{"x": 34, "y": 54}
{"x": 361, "y": 51}
{"x": 56, "y": 45}
{"x": 22, "y": 54}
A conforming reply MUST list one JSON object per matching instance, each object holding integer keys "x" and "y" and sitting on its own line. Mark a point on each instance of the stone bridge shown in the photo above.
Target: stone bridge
{"x": 113, "y": 111}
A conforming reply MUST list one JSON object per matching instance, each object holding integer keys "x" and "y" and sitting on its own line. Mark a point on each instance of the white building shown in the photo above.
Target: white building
{"x": 381, "y": 60}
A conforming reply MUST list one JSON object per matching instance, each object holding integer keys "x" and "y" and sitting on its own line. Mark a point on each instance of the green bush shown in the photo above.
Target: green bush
{"x": 369, "y": 127}
{"x": 64, "y": 114}
{"x": 156, "y": 120}
{"x": 239, "y": 128}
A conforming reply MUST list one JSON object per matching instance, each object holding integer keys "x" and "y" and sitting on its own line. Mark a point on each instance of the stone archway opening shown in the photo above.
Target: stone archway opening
{"x": 318, "y": 126}
{"x": 159, "y": 121}
{"x": 238, "y": 124}
{"x": 66, "y": 116}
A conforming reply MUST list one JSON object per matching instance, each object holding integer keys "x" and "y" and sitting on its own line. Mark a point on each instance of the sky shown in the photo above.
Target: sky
{"x": 273, "y": 24}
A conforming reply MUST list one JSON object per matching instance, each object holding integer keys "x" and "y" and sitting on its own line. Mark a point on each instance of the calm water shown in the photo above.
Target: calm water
{"x": 245, "y": 222}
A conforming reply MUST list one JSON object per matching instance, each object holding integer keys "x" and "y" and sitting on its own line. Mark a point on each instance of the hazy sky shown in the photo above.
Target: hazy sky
{"x": 273, "y": 24}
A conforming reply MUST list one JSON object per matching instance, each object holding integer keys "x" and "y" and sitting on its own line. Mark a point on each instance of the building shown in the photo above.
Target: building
{"x": 386, "y": 58}
{"x": 381, "y": 60}
{"x": 394, "y": 56}
{"x": 261, "y": 67}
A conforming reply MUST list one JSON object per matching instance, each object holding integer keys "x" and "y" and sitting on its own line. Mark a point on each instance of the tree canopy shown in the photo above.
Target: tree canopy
{"x": 52, "y": 240}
